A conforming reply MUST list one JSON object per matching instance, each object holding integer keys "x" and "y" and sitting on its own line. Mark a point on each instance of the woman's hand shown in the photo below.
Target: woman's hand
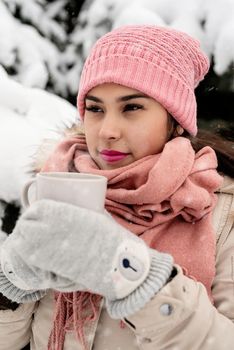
{"x": 68, "y": 248}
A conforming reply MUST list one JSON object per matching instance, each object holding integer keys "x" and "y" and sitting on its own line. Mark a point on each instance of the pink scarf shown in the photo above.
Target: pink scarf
{"x": 166, "y": 199}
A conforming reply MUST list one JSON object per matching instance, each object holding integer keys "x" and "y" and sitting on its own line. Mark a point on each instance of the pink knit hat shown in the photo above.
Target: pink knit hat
{"x": 161, "y": 62}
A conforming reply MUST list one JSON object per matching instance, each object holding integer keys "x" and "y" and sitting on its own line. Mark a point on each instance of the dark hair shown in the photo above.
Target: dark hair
{"x": 222, "y": 142}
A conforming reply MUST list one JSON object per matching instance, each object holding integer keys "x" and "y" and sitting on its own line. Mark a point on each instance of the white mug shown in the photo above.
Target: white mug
{"x": 84, "y": 190}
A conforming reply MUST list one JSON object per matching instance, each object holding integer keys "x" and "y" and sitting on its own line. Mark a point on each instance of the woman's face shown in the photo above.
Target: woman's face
{"x": 123, "y": 125}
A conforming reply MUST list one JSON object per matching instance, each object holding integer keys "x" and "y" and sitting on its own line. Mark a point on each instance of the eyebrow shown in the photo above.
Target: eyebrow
{"x": 119, "y": 99}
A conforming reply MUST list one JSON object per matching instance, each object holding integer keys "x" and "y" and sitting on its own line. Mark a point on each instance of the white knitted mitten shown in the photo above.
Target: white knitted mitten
{"x": 68, "y": 248}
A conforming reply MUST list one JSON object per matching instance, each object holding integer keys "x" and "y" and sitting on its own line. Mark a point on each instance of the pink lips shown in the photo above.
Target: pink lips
{"x": 112, "y": 156}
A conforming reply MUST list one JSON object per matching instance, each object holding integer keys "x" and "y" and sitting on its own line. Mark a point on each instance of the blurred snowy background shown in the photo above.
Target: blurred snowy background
{"x": 43, "y": 44}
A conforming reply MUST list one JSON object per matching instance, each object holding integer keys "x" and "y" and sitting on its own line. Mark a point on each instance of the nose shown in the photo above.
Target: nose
{"x": 110, "y": 127}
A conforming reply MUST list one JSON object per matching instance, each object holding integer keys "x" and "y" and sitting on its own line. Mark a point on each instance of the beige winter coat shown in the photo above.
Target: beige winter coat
{"x": 179, "y": 317}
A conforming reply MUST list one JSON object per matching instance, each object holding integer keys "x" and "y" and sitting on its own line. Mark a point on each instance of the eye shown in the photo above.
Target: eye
{"x": 132, "y": 107}
{"x": 93, "y": 109}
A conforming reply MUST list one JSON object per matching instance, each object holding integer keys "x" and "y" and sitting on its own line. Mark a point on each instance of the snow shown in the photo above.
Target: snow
{"x": 32, "y": 11}
{"x": 28, "y": 112}
{"x": 216, "y": 36}
{"x": 33, "y": 56}
{"x": 28, "y": 116}
{"x": 134, "y": 14}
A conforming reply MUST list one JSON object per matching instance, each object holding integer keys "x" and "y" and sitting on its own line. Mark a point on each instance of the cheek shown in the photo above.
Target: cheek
{"x": 149, "y": 141}
{"x": 140, "y": 143}
{"x": 90, "y": 134}
{"x": 91, "y": 145}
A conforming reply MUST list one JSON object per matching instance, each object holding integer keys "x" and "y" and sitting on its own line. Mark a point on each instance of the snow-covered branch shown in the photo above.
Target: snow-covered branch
{"x": 28, "y": 115}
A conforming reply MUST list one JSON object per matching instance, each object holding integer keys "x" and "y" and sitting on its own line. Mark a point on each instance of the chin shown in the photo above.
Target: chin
{"x": 114, "y": 165}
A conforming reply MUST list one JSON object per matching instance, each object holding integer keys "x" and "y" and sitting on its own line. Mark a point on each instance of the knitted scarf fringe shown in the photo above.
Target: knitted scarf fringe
{"x": 70, "y": 315}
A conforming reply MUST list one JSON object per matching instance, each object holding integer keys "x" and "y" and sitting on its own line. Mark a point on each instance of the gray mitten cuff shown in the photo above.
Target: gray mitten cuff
{"x": 15, "y": 294}
{"x": 10, "y": 291}
{"x": 160, "y": 270}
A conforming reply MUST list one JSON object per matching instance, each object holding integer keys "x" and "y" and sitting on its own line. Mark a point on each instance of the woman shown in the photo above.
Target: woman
{"x": 162, "y": 262}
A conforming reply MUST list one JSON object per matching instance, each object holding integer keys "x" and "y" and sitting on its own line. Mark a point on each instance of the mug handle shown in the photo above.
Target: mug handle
{"x": 24, "y": 197}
